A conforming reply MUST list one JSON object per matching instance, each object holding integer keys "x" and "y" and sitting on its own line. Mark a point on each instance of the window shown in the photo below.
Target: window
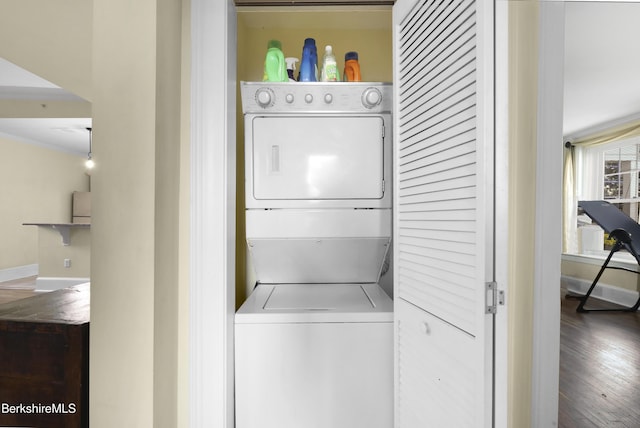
{"x": 611, "y": 172}
{"x": 620, "y": 178}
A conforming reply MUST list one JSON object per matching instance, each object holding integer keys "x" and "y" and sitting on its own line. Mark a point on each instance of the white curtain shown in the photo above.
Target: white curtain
{"x": 570, "y": 203}
{"x": 609, "y": 136}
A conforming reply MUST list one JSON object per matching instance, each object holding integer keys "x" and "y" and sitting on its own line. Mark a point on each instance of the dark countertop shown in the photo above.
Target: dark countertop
{"x": 64, "y": 306}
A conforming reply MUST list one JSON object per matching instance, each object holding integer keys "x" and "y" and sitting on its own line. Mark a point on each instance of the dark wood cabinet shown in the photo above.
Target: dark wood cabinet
{"x": 44, "y": 360}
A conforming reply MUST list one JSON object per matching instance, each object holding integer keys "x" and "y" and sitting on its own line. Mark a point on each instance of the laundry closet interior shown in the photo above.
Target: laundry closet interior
{"x": 364, "y": 29}
{"x": 314, "y": 321}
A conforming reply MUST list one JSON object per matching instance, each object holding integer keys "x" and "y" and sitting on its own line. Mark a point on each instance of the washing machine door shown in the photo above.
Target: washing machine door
{"x": 295, "y": 159}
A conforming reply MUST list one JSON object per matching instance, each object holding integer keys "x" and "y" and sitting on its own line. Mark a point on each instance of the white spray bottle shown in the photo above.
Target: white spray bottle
{"x": 291, "y": 67}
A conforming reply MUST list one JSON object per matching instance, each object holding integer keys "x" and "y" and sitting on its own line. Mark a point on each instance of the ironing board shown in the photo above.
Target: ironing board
{"x": 626, "y": 234}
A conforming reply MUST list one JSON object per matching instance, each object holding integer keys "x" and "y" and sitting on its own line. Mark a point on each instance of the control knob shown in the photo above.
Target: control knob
{"x": 371, "y": 97}
{"x": 265, "y": 97}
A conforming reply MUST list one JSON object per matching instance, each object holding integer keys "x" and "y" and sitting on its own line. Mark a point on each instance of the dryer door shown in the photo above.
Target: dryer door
{"x": 301, "y": 158}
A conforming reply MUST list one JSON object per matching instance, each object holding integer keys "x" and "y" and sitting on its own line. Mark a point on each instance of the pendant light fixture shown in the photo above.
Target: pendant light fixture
{"x": 89, "y": 164}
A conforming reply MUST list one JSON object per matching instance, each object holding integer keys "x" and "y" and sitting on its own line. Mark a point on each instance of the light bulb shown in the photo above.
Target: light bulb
{"x": 89, "y": 164}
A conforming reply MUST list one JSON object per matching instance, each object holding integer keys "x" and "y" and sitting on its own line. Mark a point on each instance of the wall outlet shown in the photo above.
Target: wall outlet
{"x": 67, "y": 263}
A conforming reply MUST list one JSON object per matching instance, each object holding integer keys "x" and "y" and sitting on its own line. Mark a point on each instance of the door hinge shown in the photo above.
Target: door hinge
{"x": 494, "y": 297}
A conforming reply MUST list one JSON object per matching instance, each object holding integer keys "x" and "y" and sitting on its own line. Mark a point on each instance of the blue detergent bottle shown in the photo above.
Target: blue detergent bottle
{"x": 275, "y": 68}
{"x": 309, "y": 63}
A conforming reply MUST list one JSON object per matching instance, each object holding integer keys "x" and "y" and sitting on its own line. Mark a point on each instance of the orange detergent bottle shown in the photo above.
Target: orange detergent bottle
{"x": 351, "y": 68}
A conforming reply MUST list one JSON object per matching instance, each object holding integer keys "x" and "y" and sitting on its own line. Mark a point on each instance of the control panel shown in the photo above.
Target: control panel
{"x": 316, "y": 97}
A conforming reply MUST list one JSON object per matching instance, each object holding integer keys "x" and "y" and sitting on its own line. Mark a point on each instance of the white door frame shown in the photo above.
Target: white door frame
{"x": 212, "y": 220}
{"x": 548, "y": 224}
{"x": 501, "y": 210}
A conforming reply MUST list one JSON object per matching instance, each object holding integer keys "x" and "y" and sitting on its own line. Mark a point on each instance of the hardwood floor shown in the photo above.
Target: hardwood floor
{"x": 17, "y": 289}
{"x": 599, "y": 368}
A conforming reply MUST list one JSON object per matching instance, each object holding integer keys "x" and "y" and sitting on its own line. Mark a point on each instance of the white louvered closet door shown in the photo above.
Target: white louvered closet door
{"x": 443, "y": 209}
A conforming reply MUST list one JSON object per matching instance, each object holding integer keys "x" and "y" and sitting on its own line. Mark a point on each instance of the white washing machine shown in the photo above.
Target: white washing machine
{"x": 314, "y": 340}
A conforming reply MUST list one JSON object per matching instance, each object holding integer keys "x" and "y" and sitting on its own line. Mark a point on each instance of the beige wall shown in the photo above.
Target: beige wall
{"x": 588, "y": 271}
{"x": 523, "y": 94}
{"x": 51, "y": 39}
{"x": 136, "y": 285}
{"x": 364, "y": 30}
{"x": 138, "y": 146}
{"x": 182, "y": 345}
{"x": 36, "y": 185}
{"x": 52, "y": 253}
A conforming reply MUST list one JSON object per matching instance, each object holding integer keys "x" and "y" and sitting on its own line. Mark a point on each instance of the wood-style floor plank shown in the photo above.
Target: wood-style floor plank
{"x": 599, "y": 368}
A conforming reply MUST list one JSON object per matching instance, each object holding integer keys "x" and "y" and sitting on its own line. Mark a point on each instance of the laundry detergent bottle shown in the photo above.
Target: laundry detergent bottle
{"x": 351, "y": 68}
{"x": 329, "y": 66}
{"x": 309, "y": 63}
{"x": 275, "y": 68}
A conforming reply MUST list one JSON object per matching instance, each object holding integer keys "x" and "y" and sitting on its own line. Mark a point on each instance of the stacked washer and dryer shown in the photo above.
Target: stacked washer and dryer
{"x": 314, "y": 340}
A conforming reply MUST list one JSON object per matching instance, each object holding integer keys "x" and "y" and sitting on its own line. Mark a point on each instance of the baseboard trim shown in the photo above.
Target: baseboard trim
{"x": 606, "y": 292}
{"x": 44, "y": 284}
{"x": 18, "y": 272}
